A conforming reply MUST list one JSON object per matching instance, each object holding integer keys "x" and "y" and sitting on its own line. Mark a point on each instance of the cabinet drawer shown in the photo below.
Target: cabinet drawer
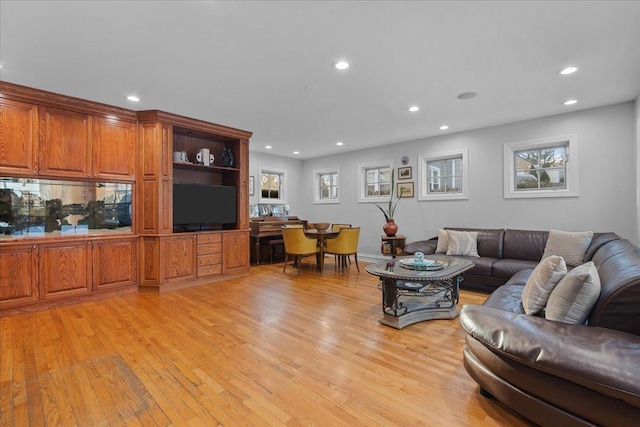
{"x": 211, "y": 248}
{"x": 209, "y": 270}
{"x": 204, "y": 238}
{"x": 209, "y": 259}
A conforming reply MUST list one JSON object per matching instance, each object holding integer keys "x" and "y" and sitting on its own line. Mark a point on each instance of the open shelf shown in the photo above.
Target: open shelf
{"x": 194, "y": 166}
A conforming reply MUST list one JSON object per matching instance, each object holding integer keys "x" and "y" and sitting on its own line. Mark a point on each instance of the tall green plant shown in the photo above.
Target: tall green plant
{"x": 391, "y": 208}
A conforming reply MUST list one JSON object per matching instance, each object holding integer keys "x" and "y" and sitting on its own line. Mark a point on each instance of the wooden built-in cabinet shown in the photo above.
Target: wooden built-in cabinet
{"x": 51, "y": 136}
{"x": 209, "y": 254}
{"x": 33, "y": 275}
{"x": 168, "y": 260}
{"x": 114, "y": 263}
{"x": 18, "y": 137}
{"x": 18, "y": 275}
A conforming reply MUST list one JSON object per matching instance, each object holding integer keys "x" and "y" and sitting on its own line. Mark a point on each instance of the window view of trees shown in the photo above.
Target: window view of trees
{"x": 541, "y": 168}
{"x": 378, "y": 181}
{"x": 329, "y": 186}
{"x": 270, "y": 185}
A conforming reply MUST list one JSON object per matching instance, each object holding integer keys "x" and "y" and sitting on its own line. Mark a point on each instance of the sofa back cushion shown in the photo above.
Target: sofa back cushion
{"x": 618, "y": 264}
{"x": 524, "y": 244}
{"x": 489, "y": 241}
{"x": 598, "y": 241}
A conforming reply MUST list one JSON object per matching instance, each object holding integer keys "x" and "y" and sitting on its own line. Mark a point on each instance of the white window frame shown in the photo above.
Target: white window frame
{"x": 424, "y": 173}
{"x": 362, "y": 181}
{"x": 571, "y": 164}
{"x": 316, "y": 183}
{"x": 283, "y": 185}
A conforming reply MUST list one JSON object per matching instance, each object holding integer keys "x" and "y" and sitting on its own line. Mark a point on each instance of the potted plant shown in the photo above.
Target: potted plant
{"x": 390, "y": 228}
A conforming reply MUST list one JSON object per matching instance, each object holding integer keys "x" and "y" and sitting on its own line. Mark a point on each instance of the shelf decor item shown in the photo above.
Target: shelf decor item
{"x": 390, "y": 228}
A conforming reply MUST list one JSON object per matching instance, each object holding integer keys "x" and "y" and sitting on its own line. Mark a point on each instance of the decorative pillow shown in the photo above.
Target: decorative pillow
{"x": 443, "y": 241}
{"x": 541, "y": 282}
{"x": 463, "y": 243}
{"x": 575, "y": 295}
{"x": 569, "y": 245}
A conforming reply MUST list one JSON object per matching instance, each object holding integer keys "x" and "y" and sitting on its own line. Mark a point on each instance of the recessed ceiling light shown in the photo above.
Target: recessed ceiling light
{"x": 414, "y": 108}
{"x": 571, "y": 102}
{"x": 444, "y": 127}
{"x": 133, "y": 98}
{"x": 339, "y": 143}
{"x": 296, "y": 152}
{"x": 268, "y": 147}
{"x": 467, "y": 95}
{"x": 568, "y": 70}
{"x": 341, "y": 65}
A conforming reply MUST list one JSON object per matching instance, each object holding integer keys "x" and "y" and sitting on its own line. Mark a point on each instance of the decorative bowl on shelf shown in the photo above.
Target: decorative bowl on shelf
{"x": 320, "y": 225}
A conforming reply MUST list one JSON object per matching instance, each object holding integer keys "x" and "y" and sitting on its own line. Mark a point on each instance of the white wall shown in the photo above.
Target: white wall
{"x": 607, "y": 182}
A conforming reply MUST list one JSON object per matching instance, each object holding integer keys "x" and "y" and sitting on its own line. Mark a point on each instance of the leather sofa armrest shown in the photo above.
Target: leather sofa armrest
{"x": 600, "y": 359}
{"x": 427, "y": 247}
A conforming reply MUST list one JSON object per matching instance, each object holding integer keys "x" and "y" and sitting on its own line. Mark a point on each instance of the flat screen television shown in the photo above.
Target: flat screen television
{"x": 203, "y": 206}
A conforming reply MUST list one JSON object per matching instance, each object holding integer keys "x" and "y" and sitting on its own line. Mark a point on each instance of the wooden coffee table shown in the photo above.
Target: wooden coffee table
{"x": 412, "y": 295}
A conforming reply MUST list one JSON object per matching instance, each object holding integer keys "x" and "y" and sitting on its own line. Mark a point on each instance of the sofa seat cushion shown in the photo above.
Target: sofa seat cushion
{"x": 482, "y": 266}
{"x": 507, "y": 297}
{"x": 506, "y": 268}
{"x": 571, "y": 352}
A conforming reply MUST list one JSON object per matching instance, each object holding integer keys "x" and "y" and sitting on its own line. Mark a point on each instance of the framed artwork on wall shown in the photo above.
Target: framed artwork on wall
{"x": 251, "y": 186}
{"x": 405, "y": 189}
{"x": 405, "y": 173}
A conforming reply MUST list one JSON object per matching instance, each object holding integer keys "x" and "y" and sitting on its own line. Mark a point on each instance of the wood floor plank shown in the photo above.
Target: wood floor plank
{"x": 268, "y": 349}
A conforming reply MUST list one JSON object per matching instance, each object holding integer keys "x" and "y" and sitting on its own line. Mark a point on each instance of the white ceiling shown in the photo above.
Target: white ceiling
{"x": 265, "y": 66}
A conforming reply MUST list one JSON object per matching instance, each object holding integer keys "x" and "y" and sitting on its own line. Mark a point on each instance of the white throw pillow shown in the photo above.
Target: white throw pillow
{"x": 443, "y": 241}
{"x": 575, "y": 295}
{"x": 569, "y": 245}
{"x": 463, "y": 243}
{"x": 541, "y": 282}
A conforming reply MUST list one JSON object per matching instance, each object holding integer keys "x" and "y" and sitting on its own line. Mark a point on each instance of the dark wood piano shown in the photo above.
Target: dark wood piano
{"x": 268, "y": 228}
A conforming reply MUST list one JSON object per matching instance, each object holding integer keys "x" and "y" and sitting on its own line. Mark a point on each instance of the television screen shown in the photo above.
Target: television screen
{"x": 195, "y": 204}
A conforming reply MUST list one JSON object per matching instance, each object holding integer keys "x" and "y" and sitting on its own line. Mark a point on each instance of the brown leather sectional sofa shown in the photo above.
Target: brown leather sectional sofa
{"x": 554, "y": 373}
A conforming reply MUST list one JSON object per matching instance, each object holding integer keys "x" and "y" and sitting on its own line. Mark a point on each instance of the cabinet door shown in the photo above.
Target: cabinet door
{"x": 114, "y": 144}
{"x": 18, "y": 137}
{"x": 179, "y": 257}
{"x": 18, "y": 275}
{"x": 65, "y": 143}
{"x": 155, "y": 202}
{"x": 114, "y": 263}
{"x": 235, "y": 249}
{"x": 65, "y": 269}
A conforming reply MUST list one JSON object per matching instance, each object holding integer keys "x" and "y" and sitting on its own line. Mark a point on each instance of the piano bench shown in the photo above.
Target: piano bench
{"x": 273, "y": 245}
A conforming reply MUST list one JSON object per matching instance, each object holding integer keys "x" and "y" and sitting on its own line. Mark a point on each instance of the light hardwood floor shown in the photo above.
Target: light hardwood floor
{"x": 269, "y": 349}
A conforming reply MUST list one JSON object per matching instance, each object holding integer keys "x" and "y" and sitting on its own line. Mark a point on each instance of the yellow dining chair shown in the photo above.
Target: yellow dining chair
{"x": 336, "y": 227}
{"x": 344, "y": 245}
{"x": 298, "y": 245}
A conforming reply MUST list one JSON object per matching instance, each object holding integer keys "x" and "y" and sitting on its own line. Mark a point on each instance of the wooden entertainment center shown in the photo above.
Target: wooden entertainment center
{"x": 81, "y": 149}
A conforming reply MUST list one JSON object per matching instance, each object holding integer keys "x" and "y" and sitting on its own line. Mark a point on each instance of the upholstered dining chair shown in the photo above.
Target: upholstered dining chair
{"x": 336, "y": 227}
{"x": 298, "y": 245}
{"x": 344, "y": 245}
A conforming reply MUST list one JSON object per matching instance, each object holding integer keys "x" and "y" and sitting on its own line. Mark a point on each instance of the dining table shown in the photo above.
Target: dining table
{"x": 322, "y": 236}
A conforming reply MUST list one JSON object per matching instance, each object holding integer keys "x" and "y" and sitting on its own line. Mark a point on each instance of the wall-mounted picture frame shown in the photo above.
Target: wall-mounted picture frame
{"x": 405, "y": 173}
{"x": 251, "y": 186}
{"x": 405, "y": 189}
